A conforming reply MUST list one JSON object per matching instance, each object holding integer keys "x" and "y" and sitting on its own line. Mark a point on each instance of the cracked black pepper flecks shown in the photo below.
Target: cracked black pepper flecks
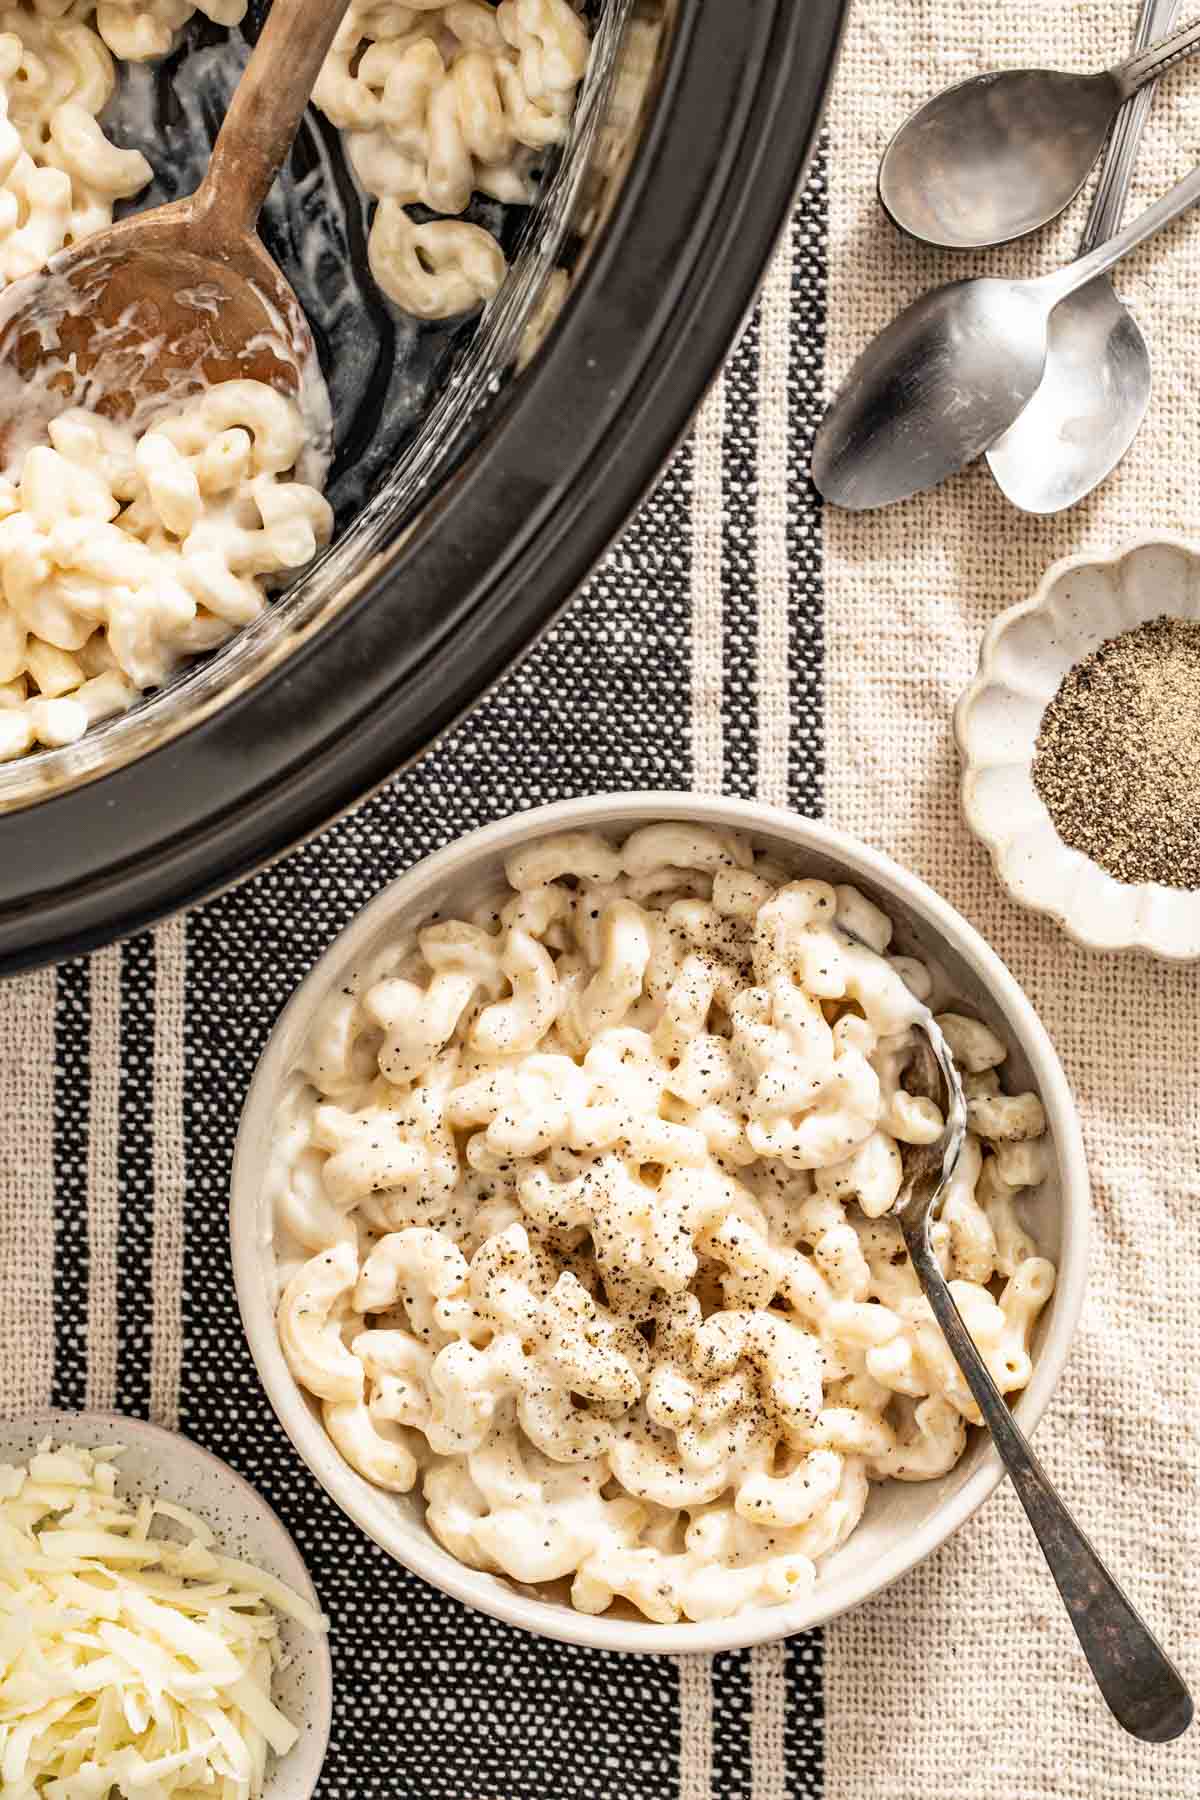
{"x": 1118, "y": 755}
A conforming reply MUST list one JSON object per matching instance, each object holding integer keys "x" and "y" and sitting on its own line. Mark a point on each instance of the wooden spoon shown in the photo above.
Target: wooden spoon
{"x": 170, "y": 301}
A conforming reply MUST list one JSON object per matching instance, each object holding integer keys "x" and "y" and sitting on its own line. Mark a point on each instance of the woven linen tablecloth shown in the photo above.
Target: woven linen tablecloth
{"x": 736, "y": 639}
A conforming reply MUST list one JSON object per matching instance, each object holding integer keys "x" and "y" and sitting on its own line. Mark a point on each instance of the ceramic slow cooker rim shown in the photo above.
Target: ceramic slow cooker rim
{"x": 689, "y": 239}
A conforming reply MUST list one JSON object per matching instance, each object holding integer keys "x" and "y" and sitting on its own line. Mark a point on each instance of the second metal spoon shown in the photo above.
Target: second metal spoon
{"x": 947, "y": 377}
{"x": 1096, "y": 386}
{"x": 1000, "y": 155}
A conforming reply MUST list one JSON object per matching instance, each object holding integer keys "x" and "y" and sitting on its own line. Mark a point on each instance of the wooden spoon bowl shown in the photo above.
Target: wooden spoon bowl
{"x": 171, "y": 301}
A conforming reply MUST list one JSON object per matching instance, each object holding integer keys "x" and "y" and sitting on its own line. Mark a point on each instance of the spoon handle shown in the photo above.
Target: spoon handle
{"x": 1142, "y": 1686}
{"x": 1108, "y": 207}
{"x": 1061, "y": 282}
{"x": 265, "y": 113}
{"x": 1147, "y": 64}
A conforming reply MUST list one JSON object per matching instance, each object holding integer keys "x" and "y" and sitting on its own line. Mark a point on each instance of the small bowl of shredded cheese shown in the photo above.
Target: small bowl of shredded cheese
{"x": 159, "y": 1633}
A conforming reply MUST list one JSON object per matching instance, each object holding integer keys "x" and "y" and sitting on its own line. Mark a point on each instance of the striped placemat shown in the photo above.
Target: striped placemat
{"x": 736, "y": 639}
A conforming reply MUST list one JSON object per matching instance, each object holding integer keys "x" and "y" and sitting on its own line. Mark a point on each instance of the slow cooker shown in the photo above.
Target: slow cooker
{"x": 540, "y": 428}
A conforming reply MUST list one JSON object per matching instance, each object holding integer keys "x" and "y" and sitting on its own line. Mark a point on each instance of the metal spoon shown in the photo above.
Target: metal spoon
{"x": 1096, "y": 386}
{"x": 997, "y": 156}
{"x": 1143, "y": 1689}
{"x": 172, "y": 300}
{"x": 948, "y": 377}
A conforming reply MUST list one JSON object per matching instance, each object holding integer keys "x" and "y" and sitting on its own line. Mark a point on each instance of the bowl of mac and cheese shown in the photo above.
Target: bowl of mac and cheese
{"x": 562, "y": 1221}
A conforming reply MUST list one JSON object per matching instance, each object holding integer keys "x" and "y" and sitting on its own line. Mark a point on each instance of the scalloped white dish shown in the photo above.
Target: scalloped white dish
{"x": 1025, "y": 655}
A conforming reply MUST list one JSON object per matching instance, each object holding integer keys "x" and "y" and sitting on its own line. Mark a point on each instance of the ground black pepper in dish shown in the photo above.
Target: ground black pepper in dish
{"x": 1118, "y": 755}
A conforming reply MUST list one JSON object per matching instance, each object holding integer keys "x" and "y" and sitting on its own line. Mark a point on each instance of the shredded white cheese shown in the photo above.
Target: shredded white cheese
{"x": 129, "y": 1664}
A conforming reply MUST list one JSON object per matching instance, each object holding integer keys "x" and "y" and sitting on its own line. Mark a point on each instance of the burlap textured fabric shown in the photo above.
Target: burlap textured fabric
{"x": 736, "y": 640}
{"x": 964, "y": 1680}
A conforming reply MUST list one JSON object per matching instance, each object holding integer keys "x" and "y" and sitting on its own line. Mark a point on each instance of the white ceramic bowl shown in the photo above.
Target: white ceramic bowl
{"x": 172, "y": 1467}
{"x": 903, "y": 1521}
{"x": 1025, "y": 655}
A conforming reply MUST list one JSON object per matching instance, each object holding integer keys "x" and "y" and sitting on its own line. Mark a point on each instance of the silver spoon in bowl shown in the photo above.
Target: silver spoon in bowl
{"x": 1096, "y": 385}
{"x": 995, "y": 157}
{"x": 948, "y": 377}
{"x": 1141, "y": 1685}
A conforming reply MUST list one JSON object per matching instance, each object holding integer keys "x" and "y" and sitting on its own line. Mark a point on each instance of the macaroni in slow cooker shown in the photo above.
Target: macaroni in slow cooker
{"x": 583, "y": 1208}
{"x": 124, "y": 552}
{"x": 438, "y": 103}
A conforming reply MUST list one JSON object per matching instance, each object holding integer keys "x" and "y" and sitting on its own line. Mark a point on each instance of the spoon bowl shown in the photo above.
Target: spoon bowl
{"x": 931, "y": 392}
{"x": 1096, "y": 387}
{"x": 1087, "y": 410}
{"x": 996, "y": 157}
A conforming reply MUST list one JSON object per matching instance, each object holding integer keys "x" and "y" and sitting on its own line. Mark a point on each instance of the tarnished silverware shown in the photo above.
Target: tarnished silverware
{"x": 995, "y": 157}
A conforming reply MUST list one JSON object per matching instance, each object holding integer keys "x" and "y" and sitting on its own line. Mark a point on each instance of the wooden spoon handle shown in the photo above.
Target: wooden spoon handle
{"x": 266, "y": 111}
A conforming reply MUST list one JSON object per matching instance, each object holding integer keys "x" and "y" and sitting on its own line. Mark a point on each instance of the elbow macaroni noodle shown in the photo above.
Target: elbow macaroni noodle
{"x": 583, "y": 1204}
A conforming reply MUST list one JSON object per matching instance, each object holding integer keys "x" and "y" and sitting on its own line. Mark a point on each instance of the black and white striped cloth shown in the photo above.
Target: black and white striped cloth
{"x": 694, "y": 658}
